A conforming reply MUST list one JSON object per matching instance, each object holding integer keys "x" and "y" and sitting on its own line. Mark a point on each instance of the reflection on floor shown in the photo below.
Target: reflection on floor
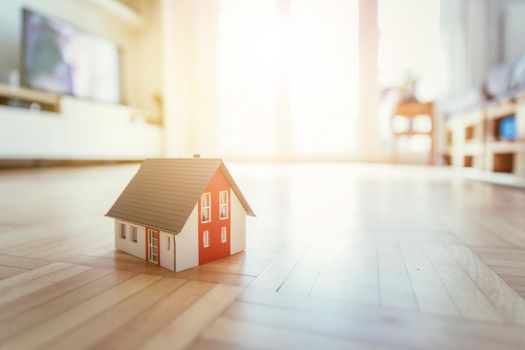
{"x": 340, "y": 256}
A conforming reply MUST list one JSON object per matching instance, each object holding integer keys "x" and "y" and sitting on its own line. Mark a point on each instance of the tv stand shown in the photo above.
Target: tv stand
{"x": 36, "y": 125}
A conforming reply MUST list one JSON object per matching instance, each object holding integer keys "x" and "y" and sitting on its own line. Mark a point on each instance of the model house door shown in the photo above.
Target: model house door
{"x": 153, "y": 246}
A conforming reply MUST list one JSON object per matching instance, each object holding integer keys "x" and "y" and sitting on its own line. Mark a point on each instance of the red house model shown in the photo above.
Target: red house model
{"x": 180, "y": 213}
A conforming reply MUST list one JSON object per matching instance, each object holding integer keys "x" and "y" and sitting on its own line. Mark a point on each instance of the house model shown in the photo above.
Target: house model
{"x": 180, "y": 213}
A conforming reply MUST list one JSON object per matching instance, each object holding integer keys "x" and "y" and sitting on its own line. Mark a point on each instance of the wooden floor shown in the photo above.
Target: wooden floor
{"x": 340, "y": 257}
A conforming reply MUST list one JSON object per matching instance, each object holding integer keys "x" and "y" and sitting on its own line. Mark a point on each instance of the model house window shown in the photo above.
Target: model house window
{"x": 134, "y": 234}
{"x": 223, "y": 205}
{"x": 206, "y": 239}
{"x": 224, "y": 236}
{"x": 206, "y": 207}
{"x": 168, "y": 242}
{"x": 123, "y": 231}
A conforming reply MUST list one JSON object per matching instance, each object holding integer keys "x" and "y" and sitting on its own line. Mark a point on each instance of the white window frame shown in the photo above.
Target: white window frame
{"x": 134, "y": 234}
{"x": 225, "y": 204}
{"x": 206, "y": 239}
{"x": 224, "y": 234}
{"x": 208, "y": 207}
{"x": 168, "y": 244}
{"x": 122, "y": 229}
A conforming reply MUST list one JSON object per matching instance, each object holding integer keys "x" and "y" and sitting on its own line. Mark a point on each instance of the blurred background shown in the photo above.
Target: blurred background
{"x": 403, "y": 81}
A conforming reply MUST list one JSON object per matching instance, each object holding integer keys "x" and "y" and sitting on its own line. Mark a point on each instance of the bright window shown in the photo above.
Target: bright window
{"x": 224, "y": 236}
{"x": 123, "y": 231}
{"x": 305, "y": 63}
{"x": 223, "y": 205}
{"x": 206, "y": 239}
{"x": 134, "y": 234}
{"x": 206, "y": 207}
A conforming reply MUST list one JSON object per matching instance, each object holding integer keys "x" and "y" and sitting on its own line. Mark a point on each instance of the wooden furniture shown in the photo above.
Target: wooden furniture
{"x": 473, "y": 139}
{"x": 445, "y": 264}
{"x": 412, "y": 109}
{"x": 43, "y": 100}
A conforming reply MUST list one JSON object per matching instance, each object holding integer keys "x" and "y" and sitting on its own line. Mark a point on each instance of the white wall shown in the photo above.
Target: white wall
{"x": 138, "y": 249}
{"x": 476, "y": 35}
{"x": 167, "y": 256}
{"x": 126, "y": 245}
{"x": 187, "y": 243}
{"x": 514, "y": 32}
{"x": 237, "y": 225}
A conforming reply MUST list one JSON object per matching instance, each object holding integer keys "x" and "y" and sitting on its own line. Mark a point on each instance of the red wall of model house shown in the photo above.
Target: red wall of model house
{"x": 216, "y": 249}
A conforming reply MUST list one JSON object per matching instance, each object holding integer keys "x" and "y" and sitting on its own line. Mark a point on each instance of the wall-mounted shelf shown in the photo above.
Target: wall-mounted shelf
{"x": 410, "y": 133}
{"x": 22, "y": 97}
{"x": 506, "y": 146}
{"x": 500, "y": 109}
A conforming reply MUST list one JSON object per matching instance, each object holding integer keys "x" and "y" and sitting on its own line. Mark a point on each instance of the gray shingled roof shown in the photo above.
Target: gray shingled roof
{"x": 164, "y": 192}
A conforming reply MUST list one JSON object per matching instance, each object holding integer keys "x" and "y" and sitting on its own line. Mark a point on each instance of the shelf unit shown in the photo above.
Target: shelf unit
{"x": 412, "y": 109}
{"x": 22, "y": 97}
{"x": 473, "y": 138}
{"x": 465, "y": 146}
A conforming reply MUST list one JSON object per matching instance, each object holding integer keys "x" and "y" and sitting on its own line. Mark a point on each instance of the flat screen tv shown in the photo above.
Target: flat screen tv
{"x": 59, "y": 57}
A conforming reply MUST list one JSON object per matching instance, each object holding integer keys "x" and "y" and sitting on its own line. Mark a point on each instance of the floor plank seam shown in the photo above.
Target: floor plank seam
{"x": 227, "y": 273}
{"x": 410, "y": 279}
{"x": 293, "y": 268}
{"x": 443, "y": 283}
{"x": 496, "y": 307}
{"x": 379, "y": 289}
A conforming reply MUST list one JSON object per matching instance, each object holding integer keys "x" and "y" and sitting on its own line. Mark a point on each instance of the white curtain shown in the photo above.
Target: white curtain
{"x": 287, "y": 77}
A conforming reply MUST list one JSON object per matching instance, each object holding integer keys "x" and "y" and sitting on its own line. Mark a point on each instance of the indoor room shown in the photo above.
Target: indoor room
{"x": 262, "y": 174}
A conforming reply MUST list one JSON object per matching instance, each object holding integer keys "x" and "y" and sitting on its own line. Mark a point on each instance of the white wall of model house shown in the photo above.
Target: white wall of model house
{"x": 187, "y": 243}
{"x": 167, "y": 250}
{"x": 126, "y": 244}
{"x": 138, "y": 248}
{"x": 237, "y": 225}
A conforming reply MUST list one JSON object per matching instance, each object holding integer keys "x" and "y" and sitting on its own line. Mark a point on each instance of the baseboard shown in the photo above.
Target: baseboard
{"x": 43, "y": 163}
